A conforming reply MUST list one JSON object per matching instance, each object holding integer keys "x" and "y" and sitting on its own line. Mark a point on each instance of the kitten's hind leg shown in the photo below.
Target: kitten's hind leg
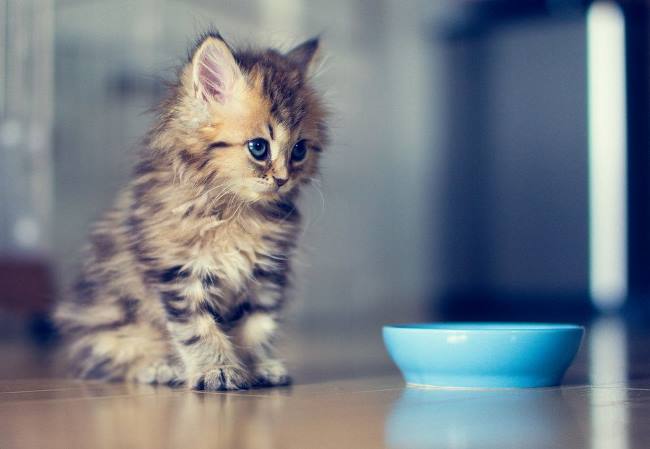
{"x": 107, "y": 341}
{"x": 135, "y": 353}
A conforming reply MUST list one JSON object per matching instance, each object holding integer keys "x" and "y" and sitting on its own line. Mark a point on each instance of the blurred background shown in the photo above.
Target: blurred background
{"x": 489, "y": 159}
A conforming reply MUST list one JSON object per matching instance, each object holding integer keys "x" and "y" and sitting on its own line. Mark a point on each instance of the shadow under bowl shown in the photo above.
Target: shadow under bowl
{"x": 483, "y": 355}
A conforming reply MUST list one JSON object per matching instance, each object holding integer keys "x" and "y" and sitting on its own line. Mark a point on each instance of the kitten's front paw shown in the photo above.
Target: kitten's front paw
{"x": 271, "y": 373}
{"x": 221, "y": 379}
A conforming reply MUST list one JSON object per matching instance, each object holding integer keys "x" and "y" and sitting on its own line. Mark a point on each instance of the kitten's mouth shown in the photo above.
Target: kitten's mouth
{"x": 271, "y": 190}
{"x": 263, "y": 192}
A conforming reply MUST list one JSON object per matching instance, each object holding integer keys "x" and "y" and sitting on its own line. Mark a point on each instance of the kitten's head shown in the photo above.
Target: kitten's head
{"x": 247, "y": 123}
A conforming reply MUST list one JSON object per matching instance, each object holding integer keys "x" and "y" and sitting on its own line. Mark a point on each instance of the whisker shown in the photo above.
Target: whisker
{"x": 315, "y": 182}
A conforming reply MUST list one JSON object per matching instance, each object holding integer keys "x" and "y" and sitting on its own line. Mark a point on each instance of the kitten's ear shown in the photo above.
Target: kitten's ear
{"x": 214, "y": 70}
{"x": 305, "y": 55}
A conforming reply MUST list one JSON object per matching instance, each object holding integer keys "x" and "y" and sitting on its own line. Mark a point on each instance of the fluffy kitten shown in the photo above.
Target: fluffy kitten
{"x": 185, "y": 276}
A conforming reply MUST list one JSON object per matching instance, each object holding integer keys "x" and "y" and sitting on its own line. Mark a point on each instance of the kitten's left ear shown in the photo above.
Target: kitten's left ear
{"x": 214, "y": 70}
{"x": 305, "y": 55}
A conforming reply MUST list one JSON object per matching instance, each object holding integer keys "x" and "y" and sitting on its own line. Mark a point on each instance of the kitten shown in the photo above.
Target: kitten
{"x": 184, "y": 278}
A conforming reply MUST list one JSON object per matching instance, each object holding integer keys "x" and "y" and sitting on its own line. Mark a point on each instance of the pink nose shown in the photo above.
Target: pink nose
{"x": 280, "y": 181}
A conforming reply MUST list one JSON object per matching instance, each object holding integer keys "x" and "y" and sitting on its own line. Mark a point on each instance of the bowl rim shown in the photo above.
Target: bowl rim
{"x": 486, "y": 327}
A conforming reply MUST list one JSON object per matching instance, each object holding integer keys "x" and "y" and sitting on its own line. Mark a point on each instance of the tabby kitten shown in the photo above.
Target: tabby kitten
{"x": 184, "y": 278}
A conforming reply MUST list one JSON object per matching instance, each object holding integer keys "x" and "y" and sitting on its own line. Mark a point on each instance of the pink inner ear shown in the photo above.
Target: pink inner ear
{"x": 212, "y": 75}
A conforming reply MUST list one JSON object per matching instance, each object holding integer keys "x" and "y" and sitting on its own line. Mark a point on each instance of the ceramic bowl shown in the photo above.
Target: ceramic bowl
{"x": 483, "y": 355}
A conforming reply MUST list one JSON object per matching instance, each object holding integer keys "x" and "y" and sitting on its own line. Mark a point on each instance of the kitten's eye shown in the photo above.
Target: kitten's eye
{"x": 259, "y": 148}
{"x": 299, "y": 151}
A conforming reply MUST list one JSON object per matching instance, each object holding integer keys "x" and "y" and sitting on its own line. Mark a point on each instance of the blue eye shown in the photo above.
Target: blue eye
{"x": 299, "y": 151}
{"x": 259, "y": 148}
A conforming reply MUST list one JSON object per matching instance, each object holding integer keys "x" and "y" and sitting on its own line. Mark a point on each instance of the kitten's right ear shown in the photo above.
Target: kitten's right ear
{"x": 214, "y": 70}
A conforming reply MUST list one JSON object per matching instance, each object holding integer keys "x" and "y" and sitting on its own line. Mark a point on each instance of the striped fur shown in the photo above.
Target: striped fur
{"x": 184, "y": 279}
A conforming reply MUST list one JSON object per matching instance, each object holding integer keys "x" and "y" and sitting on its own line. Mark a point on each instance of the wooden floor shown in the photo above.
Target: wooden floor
{"x": 604, "y": 404}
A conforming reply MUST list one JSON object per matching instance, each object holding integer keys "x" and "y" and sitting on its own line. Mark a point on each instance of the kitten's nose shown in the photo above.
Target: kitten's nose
{"x": 280, "y": 181}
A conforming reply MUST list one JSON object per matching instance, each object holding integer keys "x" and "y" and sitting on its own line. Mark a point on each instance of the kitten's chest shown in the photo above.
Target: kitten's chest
{"x": 231, "y": 253}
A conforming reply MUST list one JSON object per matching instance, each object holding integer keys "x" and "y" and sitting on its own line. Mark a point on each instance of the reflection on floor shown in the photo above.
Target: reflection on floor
{"x": 605, "y": 403}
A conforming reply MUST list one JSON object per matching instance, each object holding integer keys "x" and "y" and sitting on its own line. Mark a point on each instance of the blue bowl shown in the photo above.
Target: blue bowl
{"x": 483, "y": 355}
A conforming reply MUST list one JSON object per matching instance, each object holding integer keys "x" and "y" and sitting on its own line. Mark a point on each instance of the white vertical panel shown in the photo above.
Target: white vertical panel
{"x": 607, "y": 154}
